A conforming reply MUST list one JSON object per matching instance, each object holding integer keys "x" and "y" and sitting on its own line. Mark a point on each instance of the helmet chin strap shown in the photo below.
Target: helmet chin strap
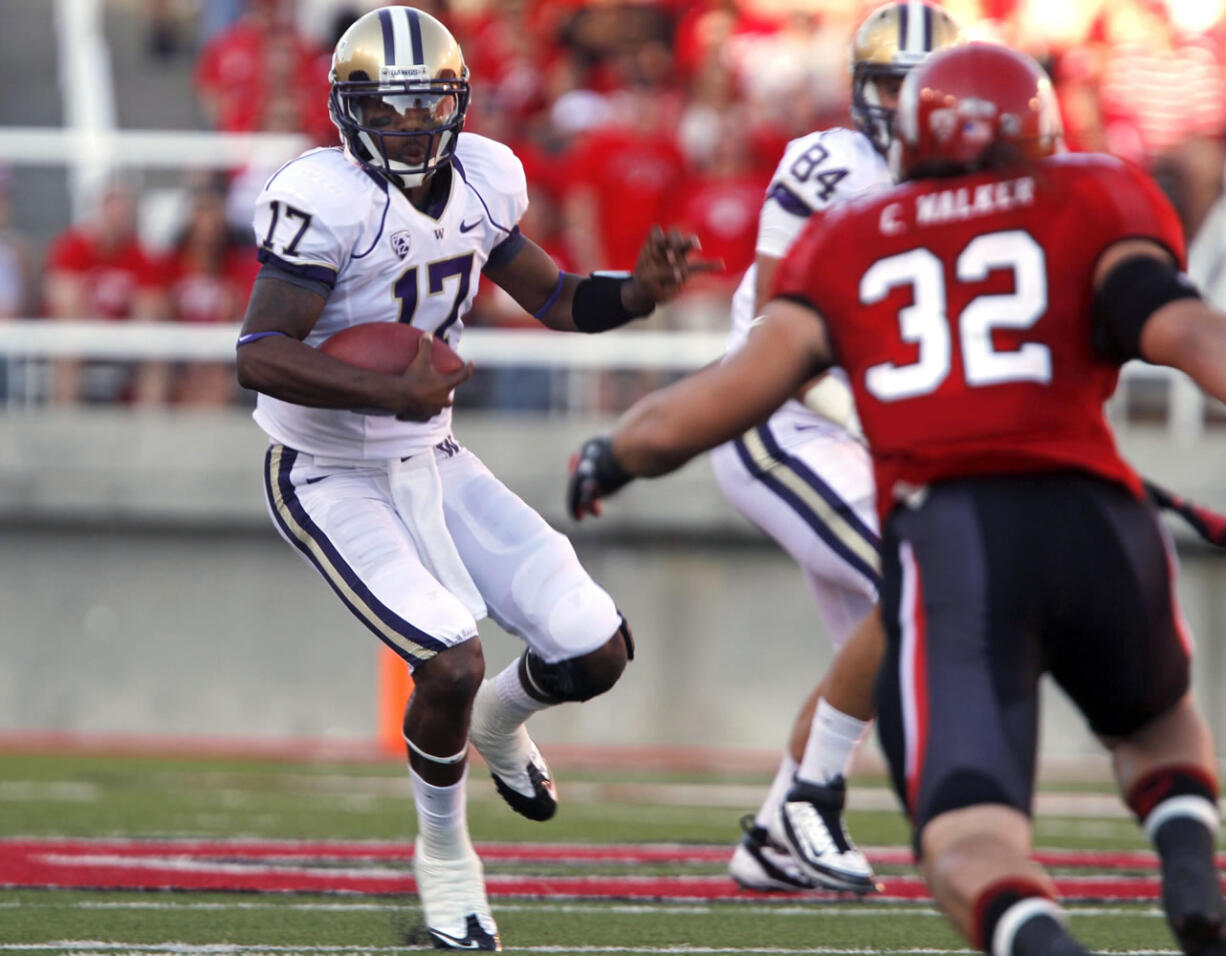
{"x": 400, "y": 174}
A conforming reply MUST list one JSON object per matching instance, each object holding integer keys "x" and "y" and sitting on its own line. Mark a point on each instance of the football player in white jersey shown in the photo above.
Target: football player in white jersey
{"x": 363, "y": 478}
{"x": 805, "y": 477}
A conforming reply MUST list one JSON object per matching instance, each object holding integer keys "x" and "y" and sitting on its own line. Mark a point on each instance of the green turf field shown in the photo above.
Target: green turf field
{"x": 150, "y": 799}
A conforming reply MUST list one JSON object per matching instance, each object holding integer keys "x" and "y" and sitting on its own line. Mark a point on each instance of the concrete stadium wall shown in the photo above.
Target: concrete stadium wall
{"x": 145, "y": 592}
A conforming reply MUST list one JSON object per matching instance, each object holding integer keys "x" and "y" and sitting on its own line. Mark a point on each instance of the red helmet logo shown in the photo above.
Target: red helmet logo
{"x": 973, "y": 106}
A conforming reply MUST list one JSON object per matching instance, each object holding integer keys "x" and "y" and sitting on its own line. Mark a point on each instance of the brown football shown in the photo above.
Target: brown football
{"x": 387, "y": 347}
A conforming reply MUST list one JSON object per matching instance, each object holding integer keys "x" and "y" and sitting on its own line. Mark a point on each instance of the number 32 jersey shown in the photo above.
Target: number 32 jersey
{"x": 325, "y": 218}
{"x": 962, "y": 311}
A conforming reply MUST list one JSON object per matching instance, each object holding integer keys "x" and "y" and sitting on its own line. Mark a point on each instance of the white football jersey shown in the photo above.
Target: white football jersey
{"x": 817, "y": 170}
{"x": 323, "y": 216}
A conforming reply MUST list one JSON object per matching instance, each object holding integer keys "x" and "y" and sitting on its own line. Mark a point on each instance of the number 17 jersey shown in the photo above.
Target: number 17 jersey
{"x": 328, "y": 220}
{"x": 962, "y": 311}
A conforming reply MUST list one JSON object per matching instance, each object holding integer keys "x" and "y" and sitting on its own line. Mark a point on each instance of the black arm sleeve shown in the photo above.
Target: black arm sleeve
{"x": 597, "y": 303}
{"x": 1132, "y": 292}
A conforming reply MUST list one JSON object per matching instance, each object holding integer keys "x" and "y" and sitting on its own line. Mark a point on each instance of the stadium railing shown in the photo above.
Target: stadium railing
{"x": 1171, "y": 398}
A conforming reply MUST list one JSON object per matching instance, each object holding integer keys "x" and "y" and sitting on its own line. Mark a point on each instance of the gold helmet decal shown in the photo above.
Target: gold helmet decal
{"x": 891, "y": 40}
{"x": 399, "y": 93}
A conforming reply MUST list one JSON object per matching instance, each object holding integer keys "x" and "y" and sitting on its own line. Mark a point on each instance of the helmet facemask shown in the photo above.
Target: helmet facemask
{"x": 872, "y": 117}
{"x": 405, "y": 130}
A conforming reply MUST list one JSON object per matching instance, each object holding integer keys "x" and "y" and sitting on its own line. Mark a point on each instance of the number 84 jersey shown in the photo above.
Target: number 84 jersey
{"x": 817, "y": 171}
{"x": 327, "y": 220}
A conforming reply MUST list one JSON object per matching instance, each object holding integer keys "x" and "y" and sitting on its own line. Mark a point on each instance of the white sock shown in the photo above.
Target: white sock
{"x": 511, "y": 705}
{"x": 442, "y": 821}
{"x": 1198, "y": 808}
{"x": 779, "y": 788}
{"x": 1016, "y": 916}
{"x": 833, "y": 739}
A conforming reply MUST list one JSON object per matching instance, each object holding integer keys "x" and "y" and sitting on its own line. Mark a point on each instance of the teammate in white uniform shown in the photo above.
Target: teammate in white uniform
{"x": 805, "y": 478}
{"x": 363, "y": 478}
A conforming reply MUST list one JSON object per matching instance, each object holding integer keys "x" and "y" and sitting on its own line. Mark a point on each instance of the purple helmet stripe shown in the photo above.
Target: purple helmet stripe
{"x": 419, "y": 54}
{"x": 389, "y": 37}
{"x": 927, "y": 28}
{"x": 903, "y": 11}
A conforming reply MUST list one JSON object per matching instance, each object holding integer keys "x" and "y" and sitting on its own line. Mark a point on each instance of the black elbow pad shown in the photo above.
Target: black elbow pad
{"x": 1132, "y": 292}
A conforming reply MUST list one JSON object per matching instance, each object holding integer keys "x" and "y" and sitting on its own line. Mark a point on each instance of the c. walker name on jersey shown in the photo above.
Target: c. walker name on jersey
{"x": 965, "y": 202}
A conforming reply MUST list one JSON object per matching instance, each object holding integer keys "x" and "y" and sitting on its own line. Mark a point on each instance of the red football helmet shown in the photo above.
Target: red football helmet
{"x": 961, "y": 105}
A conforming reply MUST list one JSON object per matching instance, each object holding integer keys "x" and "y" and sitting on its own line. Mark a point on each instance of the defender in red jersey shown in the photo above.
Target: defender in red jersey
{"x": 982, "y": 312}
{"x": 968, "y": 335}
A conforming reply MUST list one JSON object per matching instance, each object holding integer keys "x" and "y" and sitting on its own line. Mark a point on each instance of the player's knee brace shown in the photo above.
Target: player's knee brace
{"x": 574, "y": 679}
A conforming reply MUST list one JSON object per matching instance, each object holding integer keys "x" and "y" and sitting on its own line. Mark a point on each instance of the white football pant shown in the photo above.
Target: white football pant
{"x": 341, "y": 517}
{"x": 809, "y": 485}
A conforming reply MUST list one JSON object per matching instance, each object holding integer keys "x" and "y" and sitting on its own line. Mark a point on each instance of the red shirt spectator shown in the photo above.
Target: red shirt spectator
{"x": 240, "y": 68}
{"x": 722, "y": 210}
{"x": 209, "y": 275}
{"x": 110, "y": 275}
{"x": 99, "y": 269}
{"x": 217, "y": 294}
{"x": 1158, "y": 86}
{"x": 707, "y": 30}
{"x": 621, "y": 182}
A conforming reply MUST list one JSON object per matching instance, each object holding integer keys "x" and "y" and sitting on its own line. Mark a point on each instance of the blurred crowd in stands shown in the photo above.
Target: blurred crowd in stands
{"x": 625, "y": 113}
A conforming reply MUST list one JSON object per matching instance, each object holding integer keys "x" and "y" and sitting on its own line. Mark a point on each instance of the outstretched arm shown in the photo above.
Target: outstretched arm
{"x": 666, "y": 428}
{"x": 596, "y": 303}
{"x": 1139, "y": 292}
{"x": 1189, "y": 335}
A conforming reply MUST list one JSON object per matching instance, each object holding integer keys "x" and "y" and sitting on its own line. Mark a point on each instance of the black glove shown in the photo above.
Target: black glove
{"x": 594, "y": 474}
{"x": 1207, "y": 523}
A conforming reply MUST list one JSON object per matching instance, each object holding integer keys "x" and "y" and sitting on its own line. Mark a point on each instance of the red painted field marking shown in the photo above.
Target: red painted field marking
{"x": 288, "y": 866}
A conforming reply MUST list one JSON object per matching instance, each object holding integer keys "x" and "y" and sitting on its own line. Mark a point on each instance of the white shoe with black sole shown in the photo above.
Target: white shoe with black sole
{"x": 759, "y": 864}
{"x": 453, "y": 900}
{"x": 520, "y": 773}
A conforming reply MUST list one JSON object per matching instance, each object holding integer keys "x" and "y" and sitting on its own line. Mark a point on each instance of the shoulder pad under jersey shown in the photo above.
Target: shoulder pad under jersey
{"x": 495, "y": 174}
{"x": 312, "y": 213}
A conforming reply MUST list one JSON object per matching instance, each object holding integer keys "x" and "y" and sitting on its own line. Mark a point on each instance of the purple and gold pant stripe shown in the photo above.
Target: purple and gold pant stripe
{"x": 832, "y": 519}
{"x": 409, "y": 642}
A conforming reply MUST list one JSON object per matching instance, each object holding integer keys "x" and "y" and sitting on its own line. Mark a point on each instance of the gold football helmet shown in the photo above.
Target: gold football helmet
{"x": 891, "y": 40}
{"x": 399, "y": 93}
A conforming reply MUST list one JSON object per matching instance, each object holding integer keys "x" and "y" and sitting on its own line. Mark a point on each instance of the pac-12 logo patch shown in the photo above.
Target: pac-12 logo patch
{"x": 400, "y": 243}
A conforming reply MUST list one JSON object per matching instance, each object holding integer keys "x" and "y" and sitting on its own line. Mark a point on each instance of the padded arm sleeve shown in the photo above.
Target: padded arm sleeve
{"x": 1132, "y": 292}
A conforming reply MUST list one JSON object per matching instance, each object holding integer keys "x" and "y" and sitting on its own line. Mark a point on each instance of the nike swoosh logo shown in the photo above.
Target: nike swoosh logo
{"x": 465, "y": 943}
{"x": 469, "y": 227}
